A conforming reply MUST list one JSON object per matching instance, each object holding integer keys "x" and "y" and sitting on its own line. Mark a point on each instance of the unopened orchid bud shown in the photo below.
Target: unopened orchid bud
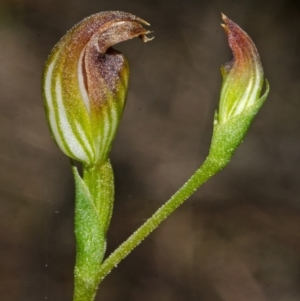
{"x": 85, "y": 84}
{"x": 243, "y": 77}
{"x": 240, "y": 99}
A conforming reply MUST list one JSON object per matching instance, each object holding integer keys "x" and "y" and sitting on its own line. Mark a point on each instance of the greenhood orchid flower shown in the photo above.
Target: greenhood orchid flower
{"x": 85, "y": 83}
{"x": 243, "y": 77}
{"x": 240, "y": 99}
{"x": 84, "y": 89}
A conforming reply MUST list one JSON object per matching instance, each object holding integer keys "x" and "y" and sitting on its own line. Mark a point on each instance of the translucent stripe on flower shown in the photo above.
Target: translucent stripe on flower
{"x": 81, "y": 84}
{"x": 85, "y": 141}
{"x": 114, "y": 122}
{"x": 50, "y": 106}
{"x": 105, "y": 130}
{"x": 68, "y": 133}
{"x": 240, "y": 105}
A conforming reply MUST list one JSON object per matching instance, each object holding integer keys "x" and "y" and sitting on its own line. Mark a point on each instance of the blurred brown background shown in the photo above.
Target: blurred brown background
{"x": 237, "y": 238}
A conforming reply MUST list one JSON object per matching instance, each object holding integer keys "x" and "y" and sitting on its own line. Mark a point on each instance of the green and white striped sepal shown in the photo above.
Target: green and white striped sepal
{"x": 85, "y": 84}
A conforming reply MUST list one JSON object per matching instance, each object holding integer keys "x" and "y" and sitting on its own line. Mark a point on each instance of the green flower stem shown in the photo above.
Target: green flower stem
{"x": 226, "y": 138}
{"x": 94, "y": 201}
{"x": 94, "y": 197}
{"x": 100, "y": 181}
{"x": 209, "y": 168}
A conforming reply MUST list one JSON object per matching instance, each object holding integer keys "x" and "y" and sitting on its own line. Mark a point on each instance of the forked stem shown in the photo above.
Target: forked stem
{"x": 209, "y": 168}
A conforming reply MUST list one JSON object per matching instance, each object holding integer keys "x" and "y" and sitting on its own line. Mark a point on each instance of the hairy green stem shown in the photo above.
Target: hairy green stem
{"x": 94, "y": 201}
{"x": 91, "y": 229}
{"x": 209, "y": 168}
{"x": 100, "y": 181}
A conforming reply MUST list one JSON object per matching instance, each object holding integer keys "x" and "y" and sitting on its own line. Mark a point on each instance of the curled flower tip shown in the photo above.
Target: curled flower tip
{"x": 85, "y": 84}
{"x": 243, "y": 76}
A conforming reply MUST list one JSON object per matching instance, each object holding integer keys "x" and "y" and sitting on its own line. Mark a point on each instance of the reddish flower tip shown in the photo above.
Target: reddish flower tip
{"x": 240, "y": 43}
{"x": 242, "y": 76}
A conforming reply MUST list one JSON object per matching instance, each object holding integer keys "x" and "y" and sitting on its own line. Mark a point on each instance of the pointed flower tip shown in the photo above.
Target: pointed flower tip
{"x": 242, "y": 76}
{"x": 224, "y": 17}
{"x": 145, "y": 38}
{"x": 226, "y": 20}
{"x": 85, "y": 84}
{"x": 225, "y": 28}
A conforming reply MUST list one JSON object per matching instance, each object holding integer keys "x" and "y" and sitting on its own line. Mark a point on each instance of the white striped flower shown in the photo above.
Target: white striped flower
{"x": 243, "y": 77}
{"x": 240, "y": 99}
{"x": 85, "y": 83}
